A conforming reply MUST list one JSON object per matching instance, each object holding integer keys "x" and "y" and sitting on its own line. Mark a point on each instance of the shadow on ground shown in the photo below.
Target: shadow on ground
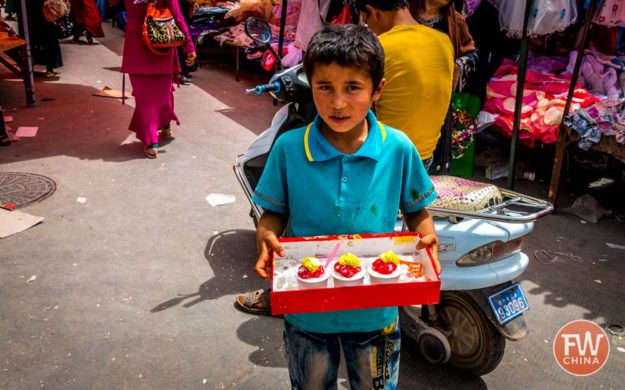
{"x": 232, "y": 273}
{"x": 70, "y": 124}
{"x": 570, "y": 264}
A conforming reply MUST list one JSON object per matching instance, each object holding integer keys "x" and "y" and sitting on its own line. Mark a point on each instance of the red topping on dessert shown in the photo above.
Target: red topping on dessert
{"x": 346, "y": 270}
{"x": 383, "y": 268}
{"x": 304, "y": 273}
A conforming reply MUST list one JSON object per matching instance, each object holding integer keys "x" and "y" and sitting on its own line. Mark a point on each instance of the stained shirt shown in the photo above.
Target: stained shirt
{"x": 325, "y": 191}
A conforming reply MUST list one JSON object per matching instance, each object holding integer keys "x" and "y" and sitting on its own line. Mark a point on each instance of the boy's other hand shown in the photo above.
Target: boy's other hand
{"x": 267, "y": 243}
{"x": 431, "y": 241}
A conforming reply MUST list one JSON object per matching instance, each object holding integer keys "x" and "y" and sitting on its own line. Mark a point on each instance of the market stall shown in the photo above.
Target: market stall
{"x": 15, "y": 54}
{"x": 293, "y": 22}
{"x": 549, "y": 87}
{"x": 586, "y": 126}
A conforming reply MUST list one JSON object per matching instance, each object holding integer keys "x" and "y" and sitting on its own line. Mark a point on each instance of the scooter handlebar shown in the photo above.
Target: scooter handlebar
{"x": 263, "y": 88}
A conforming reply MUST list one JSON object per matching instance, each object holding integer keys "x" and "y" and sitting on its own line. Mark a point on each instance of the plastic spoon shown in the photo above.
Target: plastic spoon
{"x": 332, "y": 255}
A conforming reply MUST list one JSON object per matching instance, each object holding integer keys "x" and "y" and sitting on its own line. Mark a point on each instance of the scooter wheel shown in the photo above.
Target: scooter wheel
{"x": 476, "y": 346}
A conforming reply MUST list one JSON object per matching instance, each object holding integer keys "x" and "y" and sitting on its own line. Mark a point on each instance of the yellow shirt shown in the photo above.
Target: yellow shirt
{"x": 418, "y": 67}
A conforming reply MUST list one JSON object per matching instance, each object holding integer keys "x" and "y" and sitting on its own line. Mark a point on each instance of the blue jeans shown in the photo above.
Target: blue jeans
{"x": 372, "y": 358}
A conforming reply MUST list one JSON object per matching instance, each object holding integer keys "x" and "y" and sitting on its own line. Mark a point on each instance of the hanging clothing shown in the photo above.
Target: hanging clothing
{"x": 611, "y": 13}
{"x": 546, "y": 16}
{"x": 311, "y": 17}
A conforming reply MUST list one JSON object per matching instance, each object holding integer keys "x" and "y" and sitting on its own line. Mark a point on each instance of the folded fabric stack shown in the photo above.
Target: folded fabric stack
{"x": 543, "y": 100}
{"x": 208, "y": 22}
{"x": 603, "y": 118}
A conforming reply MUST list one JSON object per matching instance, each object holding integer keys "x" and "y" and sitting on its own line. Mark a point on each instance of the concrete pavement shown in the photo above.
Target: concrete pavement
{"x": 135, "y": 287}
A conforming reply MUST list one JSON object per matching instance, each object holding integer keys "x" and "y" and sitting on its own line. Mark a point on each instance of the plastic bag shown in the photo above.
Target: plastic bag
{"x": 464, "y": 110}
{"x": 546, "y": 16}
{"x": 549, "y": 16}
{"x": 53, "y": 10}
{"x": 587, "y": 208}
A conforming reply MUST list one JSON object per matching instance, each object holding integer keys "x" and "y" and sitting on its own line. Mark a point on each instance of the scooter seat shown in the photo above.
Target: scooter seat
{"x": 465, "y": 195}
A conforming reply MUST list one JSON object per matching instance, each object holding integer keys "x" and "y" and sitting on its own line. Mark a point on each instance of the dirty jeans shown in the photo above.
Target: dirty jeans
{"x": 372, "y": 358}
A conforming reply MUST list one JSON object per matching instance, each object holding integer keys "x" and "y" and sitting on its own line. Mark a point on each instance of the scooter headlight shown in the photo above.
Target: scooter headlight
{"x": 489, "y": 253}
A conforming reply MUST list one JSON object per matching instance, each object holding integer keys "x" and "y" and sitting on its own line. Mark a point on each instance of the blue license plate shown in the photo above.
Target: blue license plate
{"x": 508, "y": 303}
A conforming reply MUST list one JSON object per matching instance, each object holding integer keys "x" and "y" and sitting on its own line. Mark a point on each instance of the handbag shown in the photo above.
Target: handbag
{"x": 53, "y": 10}
{"x": 464, "y": 110}
{"x": 64, "y": 26}
{"x": 160, "y": 32}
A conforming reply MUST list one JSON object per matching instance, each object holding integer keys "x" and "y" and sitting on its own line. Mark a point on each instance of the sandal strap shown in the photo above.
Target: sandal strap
{"x": 253, "y": 298}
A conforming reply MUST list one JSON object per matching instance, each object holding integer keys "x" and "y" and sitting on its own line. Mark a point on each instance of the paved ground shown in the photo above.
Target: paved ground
{"x": 134, "y": 288}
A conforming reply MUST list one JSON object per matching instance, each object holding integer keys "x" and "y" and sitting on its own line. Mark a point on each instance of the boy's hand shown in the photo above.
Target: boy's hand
{"x": 267, "y": 242}
{"x": 431, "y": 241}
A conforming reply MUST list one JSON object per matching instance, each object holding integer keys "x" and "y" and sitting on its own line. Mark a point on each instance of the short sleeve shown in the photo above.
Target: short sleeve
{"x": 271, "y": 192}
{"x": 417, "y": 189}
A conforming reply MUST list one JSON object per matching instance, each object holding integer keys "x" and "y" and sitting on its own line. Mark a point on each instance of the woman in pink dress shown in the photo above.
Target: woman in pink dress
{"x": 151, "y": 76}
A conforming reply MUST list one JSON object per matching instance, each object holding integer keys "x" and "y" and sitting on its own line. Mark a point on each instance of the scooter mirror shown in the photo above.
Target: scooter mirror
{"x": 258, "y": 30}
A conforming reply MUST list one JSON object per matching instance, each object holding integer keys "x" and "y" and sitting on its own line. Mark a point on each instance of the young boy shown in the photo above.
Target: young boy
{"x": 343, "y": 173}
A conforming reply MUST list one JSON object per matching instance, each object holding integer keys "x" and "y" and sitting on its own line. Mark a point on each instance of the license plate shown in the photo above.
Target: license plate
{"x": 508, "y": 303}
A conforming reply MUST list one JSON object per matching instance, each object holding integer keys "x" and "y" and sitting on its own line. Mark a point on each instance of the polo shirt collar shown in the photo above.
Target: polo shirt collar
{"x": 318, "y": 148}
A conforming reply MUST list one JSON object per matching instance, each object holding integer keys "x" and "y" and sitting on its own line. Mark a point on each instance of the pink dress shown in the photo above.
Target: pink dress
{"x": 151, "y": 75}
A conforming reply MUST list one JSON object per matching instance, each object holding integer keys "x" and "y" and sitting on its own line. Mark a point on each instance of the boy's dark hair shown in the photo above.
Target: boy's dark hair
{"x": 384, "y": 5}
{"x": 347, "y": 45}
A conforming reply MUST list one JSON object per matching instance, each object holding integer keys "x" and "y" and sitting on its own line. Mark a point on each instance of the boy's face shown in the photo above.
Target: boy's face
{"x": 343, "y": 96}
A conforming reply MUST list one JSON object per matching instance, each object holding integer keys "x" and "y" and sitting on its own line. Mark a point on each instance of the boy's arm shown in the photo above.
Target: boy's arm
{"x": 270, "y": 227}
{"x": 421, "y": 221}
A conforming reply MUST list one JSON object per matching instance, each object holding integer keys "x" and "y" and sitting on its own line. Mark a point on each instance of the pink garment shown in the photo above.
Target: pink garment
{"x": 138, "y": 59}
{"x": 154, "y": 105}
{"x": 612, "y": 13}
{"x": 544, "y": 97}
{"x": 151, "y": 75}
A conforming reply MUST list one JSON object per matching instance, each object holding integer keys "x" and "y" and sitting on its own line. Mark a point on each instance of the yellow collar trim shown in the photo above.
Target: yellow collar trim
{"x": 307, "y": 133}
{"x": 382, "y": 130}
{"x": 306, "y": 148}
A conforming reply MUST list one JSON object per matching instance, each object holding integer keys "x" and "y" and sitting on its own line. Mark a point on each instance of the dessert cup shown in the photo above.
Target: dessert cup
{"x": 340, "y": 280}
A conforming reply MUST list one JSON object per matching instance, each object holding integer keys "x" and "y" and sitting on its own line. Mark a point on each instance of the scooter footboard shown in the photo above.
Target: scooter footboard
{"x": 464, "y": 198}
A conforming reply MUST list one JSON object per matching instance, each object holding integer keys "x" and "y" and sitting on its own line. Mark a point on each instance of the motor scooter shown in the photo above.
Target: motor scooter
{"x": 480, "y": 231}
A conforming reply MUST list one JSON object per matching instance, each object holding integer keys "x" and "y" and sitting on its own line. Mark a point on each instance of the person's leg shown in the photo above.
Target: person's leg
{"x": 313, "y": 358}
{"x": 151, "y": 95}
{"x": 372, "y": 358}
{"x": 4, "y": 137}
{"x": 167, "y": 114}
{"x": 77, "y": 31}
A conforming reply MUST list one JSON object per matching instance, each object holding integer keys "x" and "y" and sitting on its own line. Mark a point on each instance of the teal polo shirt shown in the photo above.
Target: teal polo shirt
{"x": 325, "y": 191}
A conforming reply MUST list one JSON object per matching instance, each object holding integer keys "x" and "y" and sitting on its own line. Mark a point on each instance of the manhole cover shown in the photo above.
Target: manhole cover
{"x": 24, "y": 188}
